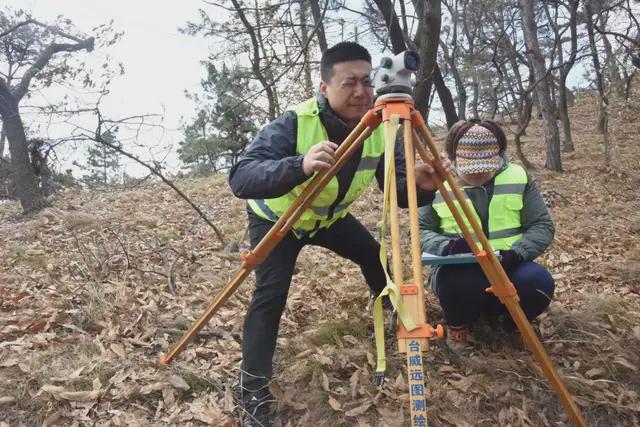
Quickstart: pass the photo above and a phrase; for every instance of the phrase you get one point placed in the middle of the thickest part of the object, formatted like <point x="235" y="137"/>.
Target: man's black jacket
<point x="272" y="167"/>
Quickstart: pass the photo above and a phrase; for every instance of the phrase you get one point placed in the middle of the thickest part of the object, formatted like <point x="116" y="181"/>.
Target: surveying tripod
<point x="393" y="82"/>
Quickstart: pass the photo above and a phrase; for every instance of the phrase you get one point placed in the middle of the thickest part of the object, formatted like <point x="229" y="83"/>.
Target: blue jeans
<point x="461" y="290"/>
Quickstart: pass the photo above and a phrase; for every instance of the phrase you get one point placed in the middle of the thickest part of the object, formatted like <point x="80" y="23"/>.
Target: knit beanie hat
<point x="478" y="151"/>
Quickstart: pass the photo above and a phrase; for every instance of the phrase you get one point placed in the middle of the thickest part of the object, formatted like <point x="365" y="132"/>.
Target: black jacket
<point x="271" y="166"/>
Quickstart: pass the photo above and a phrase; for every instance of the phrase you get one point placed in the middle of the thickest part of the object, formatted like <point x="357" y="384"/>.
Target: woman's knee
<point x="534" y="277"/>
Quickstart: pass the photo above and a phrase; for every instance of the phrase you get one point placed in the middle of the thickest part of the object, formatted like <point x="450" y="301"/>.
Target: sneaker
<point x="258" y="409"/>
<point x="457" y="338"/>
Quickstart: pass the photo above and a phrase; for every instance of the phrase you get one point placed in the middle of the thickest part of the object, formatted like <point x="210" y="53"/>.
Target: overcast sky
<point x="160" y="63"/>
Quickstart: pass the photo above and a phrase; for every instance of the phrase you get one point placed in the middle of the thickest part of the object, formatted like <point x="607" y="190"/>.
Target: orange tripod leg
<point x="279" y="230"/>
<point x="500" y="284"/>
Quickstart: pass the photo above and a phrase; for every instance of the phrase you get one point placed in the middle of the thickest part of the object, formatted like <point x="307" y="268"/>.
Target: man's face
<point x="349" y="92"/>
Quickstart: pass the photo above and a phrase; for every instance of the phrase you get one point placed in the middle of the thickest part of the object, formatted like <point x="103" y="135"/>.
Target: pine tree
<point x="103" y="164"/>
<point x="225" y="122"/>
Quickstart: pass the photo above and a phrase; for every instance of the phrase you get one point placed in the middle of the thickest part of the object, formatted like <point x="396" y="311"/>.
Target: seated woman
<point x="514" y="218"/>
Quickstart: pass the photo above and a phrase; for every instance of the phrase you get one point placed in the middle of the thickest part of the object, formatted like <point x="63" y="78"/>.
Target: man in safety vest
<point x="514" y="218"/>
<point x="276" y="168"/>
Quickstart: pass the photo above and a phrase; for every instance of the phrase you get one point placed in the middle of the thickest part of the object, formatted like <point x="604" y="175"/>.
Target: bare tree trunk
<point x="3" y="138"/>
<point x="25" y="178"/>
<point x="563" y="111"/>
<point x="565" y="68"/>
<point x="393" y="25"/>
<point x="603" y="119"/>
<point x="446" y="99"/>
<point x="628" y="84"/>
<point x="308" y="82"/>
<point x="429" y="37"/>
<point x="612" y="63"/>
<point x="476" y="98"/>
<point x="40" y="163"/>
<point x="451" y="59"/>
<point x="317" y="20"/>
<point x="256" y="58"/>
<point x="552" y="135"/>
<point x="470" y="33"/>
<point x="523" y="122"/>
<point x="26" y="181"/>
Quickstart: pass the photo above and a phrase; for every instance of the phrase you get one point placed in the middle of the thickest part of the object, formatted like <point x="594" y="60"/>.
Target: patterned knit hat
<point x="478" y="151"/>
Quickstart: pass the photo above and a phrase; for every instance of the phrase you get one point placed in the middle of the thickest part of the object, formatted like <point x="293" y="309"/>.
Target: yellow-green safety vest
<point x="505" y="226"/>
<point x="320" y="214"/>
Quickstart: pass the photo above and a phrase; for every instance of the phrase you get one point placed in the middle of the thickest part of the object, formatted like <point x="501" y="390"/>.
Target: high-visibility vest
<point x="321" y="214"/>
<point x="505" y="226"/>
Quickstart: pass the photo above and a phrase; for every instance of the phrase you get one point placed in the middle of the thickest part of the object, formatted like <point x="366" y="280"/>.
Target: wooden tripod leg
<point x="411" y="346"/>
<point x="416" y="258"/>
<point x="278" y="231"/>
<point x="496" y="275"/>
<point x="414" y="303"/>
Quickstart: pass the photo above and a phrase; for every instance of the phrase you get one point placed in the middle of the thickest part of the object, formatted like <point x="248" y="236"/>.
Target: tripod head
<point x="395" y="74"/>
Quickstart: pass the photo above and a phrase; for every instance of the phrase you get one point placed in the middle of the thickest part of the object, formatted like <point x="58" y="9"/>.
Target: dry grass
<point x="86" y="296"/>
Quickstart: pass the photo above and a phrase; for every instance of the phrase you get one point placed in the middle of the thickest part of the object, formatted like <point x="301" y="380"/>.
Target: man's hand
<point x="319" y="157"/>
<point x="424" y="175"/>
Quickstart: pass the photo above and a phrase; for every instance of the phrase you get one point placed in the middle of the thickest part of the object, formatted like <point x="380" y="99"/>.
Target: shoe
<point x="457" y="338"/>
<point x="258" y="409"/>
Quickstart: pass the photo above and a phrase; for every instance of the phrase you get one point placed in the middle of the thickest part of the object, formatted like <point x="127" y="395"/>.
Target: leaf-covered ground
<point x="95" y="288"/>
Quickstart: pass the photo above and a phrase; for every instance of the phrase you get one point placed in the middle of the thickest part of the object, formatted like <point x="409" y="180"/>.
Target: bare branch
<point x="155" y="170"/>
<point x="635" y="42"/>
<point x="20" y="91"/>
<point x="15" y="27"/>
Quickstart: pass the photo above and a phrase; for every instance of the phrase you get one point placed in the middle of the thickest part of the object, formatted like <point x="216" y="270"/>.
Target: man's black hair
<point x="341" y="52"/>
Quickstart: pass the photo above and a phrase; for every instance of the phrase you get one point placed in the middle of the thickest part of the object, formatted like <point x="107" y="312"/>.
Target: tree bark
<point x="451" y="59"/>
<point x="523" y="121"/>
<point x="317" y="20"/>
<point x="446" y="99"/>
<point x="393" y="25"/>
<point x="565" y="69"/>
<point x="3" y="138"/>
<point x="427" y="41"/>
<point x="26" y="182"/>
<point x="256" y="59"/>
<point x="612" y="64"/>
<point x="563" y="112"/>
<point x="552" y="135"/>
<point x="603" y="101"/>
<point x="306" y="66"/>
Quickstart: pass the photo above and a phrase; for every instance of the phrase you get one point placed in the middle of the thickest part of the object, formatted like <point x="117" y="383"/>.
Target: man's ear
<point x="323" y="88"/>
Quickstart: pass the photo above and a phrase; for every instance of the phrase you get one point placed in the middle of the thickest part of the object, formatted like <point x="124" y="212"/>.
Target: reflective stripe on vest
<point x="320" y="214"/>
<point x="505" y="226"/>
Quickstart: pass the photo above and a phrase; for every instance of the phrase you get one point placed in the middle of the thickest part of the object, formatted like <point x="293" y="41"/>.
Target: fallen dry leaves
<point x="97" y="287"/>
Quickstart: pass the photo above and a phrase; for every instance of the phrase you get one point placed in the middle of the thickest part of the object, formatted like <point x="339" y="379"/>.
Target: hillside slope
<point x="96" y="287"/>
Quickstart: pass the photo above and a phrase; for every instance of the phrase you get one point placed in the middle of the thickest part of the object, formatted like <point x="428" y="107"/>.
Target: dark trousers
<point x="346" y="237"/>
<point x="461" y="290"/>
